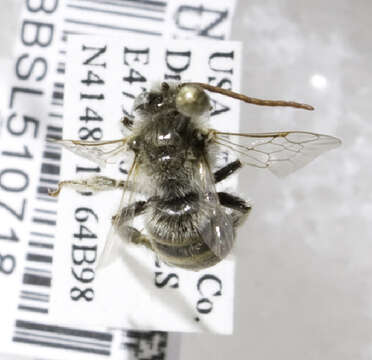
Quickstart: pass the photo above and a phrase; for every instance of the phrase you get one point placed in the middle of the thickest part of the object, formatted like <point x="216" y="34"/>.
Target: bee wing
<point x="113" y="241"/>
<point x="218" y="230"/>
<point x="97" y="151"/>
<point x="281" y="152"/>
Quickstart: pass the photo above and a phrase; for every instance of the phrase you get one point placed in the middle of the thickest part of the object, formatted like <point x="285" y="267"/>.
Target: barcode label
<point x="27" y="236"/>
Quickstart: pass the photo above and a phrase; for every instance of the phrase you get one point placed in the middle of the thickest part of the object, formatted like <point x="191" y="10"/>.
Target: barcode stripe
<point x="41" y="335"/>
<point x="31" y="279"/>
<point x="64" y="330"/>
<point x="60" y="346"/>
<point x="54" y="137"/>
<point x="112" y="27"/>
<point x="129" y="6"/>
<point x="67" y="32"/>
<point x="47" y="199"/>
<point x="49" y="181"/>
<point x="39" y="258"/>
<point x="51" y="155"/>
<point x="49" y="146"/>
<point x="61" y="67"/>
<point x="119" y="13"/>
<point x="33" y="309"/>
<point x="37" y="270"/>
<point x="44" y="221"/>
<point x="54" y="128"/>
<point x="57" y="104"/>
<point x="147" y="2"/>
<point x="40" y="245"/>
<point x="57" y="95"/>
<point x="55" y="115"/>
<point x="50" y="236"/>
<point x="34" y="293"/>
<point x="32" y="298"/>
<point x="43" y="190"/>
<point x="48" y="168"/>
<point x="44" y="211"/>
<point x="144" y="2"/>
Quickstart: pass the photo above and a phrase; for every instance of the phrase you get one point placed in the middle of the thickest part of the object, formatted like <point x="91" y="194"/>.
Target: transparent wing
<point x="114" y="240"/>
<point x="218" y="230"/>
<point x="281" y="152"/>
<point x="97" y="151"/>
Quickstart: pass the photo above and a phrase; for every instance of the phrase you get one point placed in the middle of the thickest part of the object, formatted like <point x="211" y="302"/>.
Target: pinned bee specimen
<point x="188" y="223"/>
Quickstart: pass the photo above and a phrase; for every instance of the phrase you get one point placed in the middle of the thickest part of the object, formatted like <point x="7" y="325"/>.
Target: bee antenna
<point x="250" y="100"/>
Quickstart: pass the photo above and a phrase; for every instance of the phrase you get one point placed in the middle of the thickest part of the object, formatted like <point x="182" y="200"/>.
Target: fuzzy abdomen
<point x="175" y="227"/>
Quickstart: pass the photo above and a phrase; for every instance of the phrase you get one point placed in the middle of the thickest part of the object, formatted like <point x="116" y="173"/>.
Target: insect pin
<point x="189" y="224"/>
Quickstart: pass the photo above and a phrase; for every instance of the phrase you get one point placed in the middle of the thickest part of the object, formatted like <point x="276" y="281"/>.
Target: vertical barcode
<point x="80" y="18"/>
<point x="37" y="274"/>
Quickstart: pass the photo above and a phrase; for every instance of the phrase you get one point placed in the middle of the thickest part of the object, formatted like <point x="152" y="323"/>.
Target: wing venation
<point x="281" y="152"/>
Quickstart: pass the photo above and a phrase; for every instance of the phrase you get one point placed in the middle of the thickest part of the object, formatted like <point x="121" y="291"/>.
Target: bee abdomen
<point x="193" y="256"/>
<point x="176" y="227"/>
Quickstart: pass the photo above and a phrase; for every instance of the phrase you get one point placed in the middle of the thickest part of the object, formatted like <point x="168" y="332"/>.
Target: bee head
<point x="191" y="100"/>
<point x="188" y="99"/>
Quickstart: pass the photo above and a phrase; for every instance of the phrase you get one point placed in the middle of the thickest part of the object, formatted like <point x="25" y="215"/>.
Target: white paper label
<point x="135" y="292"/>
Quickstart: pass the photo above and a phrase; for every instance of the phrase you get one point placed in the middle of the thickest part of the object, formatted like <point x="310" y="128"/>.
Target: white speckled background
<point x="304" y="274"/>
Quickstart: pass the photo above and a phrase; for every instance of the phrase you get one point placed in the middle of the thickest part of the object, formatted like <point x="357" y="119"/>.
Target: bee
<point x="189" y="224"/>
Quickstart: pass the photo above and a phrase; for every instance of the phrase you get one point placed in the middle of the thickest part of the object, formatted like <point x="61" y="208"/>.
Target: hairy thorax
<point x="169" y="146"/>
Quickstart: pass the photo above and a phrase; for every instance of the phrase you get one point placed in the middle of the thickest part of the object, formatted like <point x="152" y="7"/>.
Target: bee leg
<point x="135" y="236"/>
<point x="226" y="171"/>
<point x="128" y="212"/>
<point x="93" y="183"/>
<point x="129" y="232"/>
<point x="239" y="206"/>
